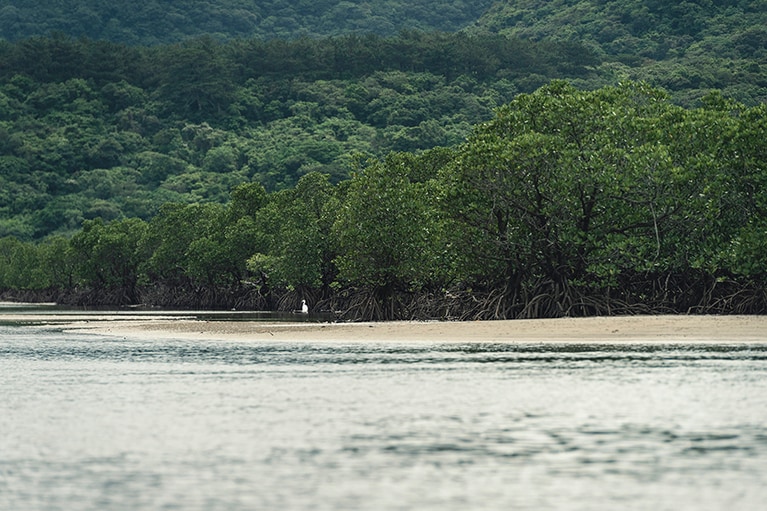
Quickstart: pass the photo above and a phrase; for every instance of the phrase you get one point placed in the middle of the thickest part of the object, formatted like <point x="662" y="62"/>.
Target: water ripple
<point x="91" y="423"/>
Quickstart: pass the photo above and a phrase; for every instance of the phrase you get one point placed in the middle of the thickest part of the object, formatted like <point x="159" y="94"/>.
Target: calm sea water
<point x="98" y="423"/>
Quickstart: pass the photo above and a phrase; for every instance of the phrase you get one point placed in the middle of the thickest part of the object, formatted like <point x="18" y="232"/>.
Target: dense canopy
<point x="149" y="22"/>
<point x="567" y="202"/>
<point x="386" y="159"/>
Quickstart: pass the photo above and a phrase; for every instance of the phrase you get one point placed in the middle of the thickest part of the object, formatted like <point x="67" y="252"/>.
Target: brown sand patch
<point x="667" y="329"/>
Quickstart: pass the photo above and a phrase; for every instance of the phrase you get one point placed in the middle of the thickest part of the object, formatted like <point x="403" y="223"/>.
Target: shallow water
<point x="98" y="423"/>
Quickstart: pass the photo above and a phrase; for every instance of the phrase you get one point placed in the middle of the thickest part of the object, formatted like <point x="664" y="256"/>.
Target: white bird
<point x="304" y="307"/>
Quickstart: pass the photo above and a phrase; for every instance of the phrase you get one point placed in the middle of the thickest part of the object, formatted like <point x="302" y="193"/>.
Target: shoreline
<point x="666" y="329"/>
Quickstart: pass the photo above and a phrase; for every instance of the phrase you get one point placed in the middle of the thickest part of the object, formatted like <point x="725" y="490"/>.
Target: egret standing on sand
<point x="304" y="307"/>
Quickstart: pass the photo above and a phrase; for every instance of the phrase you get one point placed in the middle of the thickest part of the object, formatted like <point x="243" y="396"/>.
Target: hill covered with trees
<point x="96" y="129"/>
<point x="150" y="22"/>
<point x="685" y="47"/>
<point x="223" y="154"/>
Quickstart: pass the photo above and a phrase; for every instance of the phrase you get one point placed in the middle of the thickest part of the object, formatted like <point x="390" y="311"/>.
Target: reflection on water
<point x="95" y="423"/>
<point x="55" y="312"/>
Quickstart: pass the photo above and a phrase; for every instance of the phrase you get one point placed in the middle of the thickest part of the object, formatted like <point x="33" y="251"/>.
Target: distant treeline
<point x="59" y="58"/>
<point x="151" y="22"/>
<point x="567" y="202"/>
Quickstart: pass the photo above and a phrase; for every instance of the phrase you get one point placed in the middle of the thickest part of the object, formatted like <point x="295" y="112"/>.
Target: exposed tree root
<point x="634" y="295"/>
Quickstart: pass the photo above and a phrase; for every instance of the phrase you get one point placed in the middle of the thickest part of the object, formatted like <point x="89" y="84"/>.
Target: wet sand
<point x="666" y="329"/>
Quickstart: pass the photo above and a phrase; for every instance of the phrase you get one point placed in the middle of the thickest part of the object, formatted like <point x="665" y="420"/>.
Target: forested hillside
<point x="96" y="129"/>
<point x="149" y="22"/>
<point x="226" y="154"/>
<point x="685" y="47"/>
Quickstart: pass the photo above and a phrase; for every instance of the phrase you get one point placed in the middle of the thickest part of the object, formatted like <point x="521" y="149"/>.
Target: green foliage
<point x="687" y="48"/>
<point x="388" y="228"/>
<point x="205" y="245"/>
<point x="318" y="146"/>
<point x="96" y="128"/>
<point x="300" y="251"/>
<point x="154" y="21"/>
<point x="108" y="255"/>
<point x="567" y="189"/>
<point x="85" y="123"/>
<point x="171" y="234"/>
<point x="21" y="265"/>
<point x="567" y="202"/>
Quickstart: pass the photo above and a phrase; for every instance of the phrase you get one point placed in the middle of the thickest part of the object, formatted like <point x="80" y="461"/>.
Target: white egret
<point x="304" y="307"/>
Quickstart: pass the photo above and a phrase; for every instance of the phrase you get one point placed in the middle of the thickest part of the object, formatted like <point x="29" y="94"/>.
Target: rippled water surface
<point x="97" y="423"/>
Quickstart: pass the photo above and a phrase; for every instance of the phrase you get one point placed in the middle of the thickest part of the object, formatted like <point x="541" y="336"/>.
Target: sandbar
<point x="671" y="329"/>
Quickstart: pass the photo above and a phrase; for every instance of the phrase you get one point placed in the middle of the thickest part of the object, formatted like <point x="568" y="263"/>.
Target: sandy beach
<point x="666" y="329"/>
